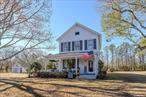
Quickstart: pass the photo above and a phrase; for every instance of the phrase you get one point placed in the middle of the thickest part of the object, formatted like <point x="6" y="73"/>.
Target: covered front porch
<point x="87" y="68"/>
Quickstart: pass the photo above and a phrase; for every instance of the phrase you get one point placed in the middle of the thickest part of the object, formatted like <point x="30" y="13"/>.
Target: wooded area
<point x="123" y="57"/>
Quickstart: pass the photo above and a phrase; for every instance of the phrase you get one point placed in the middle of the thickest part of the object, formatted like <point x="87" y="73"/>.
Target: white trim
<point x="64" y="55"/>
<point x="78" y="51"/>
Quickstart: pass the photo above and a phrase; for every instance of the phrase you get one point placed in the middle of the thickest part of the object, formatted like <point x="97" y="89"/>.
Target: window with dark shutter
<point x="65" y="46"/>
<point x="85" y="44"/>
<point x="77" y="45"/>
<point x="73" y="46"/>
<point x="94" y="43"/>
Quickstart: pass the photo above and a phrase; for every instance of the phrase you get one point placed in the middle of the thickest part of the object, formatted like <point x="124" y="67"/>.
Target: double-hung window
<point x="65" y="46"/>
<point x="77" y="45"/>
<point x="90" y="44"/>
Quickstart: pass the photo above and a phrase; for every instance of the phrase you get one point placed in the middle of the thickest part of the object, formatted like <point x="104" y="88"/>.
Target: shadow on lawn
<point x="110" y="92"/>
<point x="127" y="77"/>
<point x="118" y="91"/>
<point x="15" y="83"/>
<point x="22" y="87"/>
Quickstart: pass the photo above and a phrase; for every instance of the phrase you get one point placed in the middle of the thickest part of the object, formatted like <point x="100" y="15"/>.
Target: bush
<point x="102" y="74"/>
<point x="35" y="67"/>
<point x="50" y="66"/>
<point x="101" y="65"/>
<point x="52" y="74"/>
<point x="102" y="71"/>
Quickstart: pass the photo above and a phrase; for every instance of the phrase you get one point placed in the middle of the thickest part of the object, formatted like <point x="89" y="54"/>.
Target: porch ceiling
<point x="65" y="55"/>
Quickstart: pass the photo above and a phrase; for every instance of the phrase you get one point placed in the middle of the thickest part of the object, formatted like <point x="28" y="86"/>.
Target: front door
<point x="90" y="66"/>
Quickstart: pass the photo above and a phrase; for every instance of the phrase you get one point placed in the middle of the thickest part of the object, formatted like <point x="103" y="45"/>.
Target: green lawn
<point x="117" y="84"/>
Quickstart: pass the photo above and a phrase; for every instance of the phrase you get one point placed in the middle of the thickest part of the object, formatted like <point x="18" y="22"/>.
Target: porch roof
<point x="65" y="55"/>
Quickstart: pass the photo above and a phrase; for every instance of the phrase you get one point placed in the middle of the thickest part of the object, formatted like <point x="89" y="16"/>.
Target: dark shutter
<point x="94" y="43"/>
<point x="81" y="46"/>
<point x="78" y="63"/>
<point x="73" y="63"/>
<point x="85" y="44"/>
<point x="73" y="46"/>
<point x="61" y="47"/>
<point x="68" y="46"/>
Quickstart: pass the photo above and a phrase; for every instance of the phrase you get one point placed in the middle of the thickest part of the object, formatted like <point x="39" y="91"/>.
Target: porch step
<point x="87" y="76"/>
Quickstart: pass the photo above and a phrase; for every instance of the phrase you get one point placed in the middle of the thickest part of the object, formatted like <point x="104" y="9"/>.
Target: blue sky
<point x="67" y="12"/>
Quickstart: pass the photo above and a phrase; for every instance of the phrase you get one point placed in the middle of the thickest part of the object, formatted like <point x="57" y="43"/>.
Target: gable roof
<point x="79" y="25"/>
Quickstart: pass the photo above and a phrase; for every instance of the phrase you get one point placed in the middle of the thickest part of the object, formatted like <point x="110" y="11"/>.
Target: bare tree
<point x="25" y="24"/>
<point x="5" y="65"/>
<point x="27" y="57"/>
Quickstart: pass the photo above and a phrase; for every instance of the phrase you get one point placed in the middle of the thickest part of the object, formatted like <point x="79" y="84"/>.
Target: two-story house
<point x="79" y="47"/>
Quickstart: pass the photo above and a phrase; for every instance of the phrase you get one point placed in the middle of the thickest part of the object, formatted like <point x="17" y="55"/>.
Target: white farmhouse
<point x="80" y="45"/>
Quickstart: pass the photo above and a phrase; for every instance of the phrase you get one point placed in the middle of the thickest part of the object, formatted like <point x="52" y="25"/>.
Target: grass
<point x="117" y="84"/>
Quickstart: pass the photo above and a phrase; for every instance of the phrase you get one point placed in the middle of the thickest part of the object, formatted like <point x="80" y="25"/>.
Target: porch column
<point x="60" y="65"/>
<point x="76" y="65"/>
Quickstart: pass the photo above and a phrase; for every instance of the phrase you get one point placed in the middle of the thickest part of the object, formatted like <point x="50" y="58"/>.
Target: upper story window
<point x="90" y="44"/>
<point x="65" y="46"/>
<point x="77" y="33"/>
<point x="77" y="45"/>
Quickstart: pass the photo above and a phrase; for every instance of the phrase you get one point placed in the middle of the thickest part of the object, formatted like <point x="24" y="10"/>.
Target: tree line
<point x="123" y="57"/>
